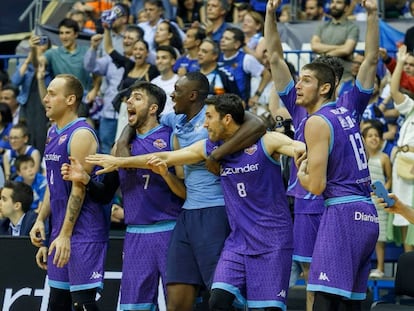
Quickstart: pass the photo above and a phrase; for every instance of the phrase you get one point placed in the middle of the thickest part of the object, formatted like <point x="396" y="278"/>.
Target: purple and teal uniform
<point x="151" y="210"/>
<point x="340" y="266"/>
<point x="308" y="207"/>
<point x="85" y="269"/>
<point x="257" y="256"/>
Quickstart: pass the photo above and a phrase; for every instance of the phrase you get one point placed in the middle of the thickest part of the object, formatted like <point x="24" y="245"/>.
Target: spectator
<point x="32" y="110"/>
<point x="221" y="81"/>
<point x="68" y="57"/>
<point x="379" y="165"/>
<point x="252" y="27"/>
<point x="243" y="66"/>
<point x="241" y="9"/>
<point x="337" y="37"/>
<point x="165" y="61"/>
<point x="189" y="62"/>
<point x="25" y="168"/>
<point x="111" y="79"/>
<point x="314" y="10"/>
<point x="15" y="201"/>
<point x="6" y="123"/>
<point x="167" y="34"/>
<point x="135" y="69"/>
<point x="402" y="186"/>
<point x="19" y="138"/>
<point x="81" y="18"/>
<point x="346" y="85"/>
<point x="188" y="11"/>
<point x="215" y="20"/>
<point x="9" y="95"/>
<point x="407" y="76"/>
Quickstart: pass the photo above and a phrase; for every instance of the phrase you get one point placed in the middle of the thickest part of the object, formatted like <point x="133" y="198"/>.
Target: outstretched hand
<point x="74" y="171"/>
<point x="108" y="162"/>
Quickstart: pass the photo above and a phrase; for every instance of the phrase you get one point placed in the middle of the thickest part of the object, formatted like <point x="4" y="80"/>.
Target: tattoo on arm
<point x="74" y="206"/>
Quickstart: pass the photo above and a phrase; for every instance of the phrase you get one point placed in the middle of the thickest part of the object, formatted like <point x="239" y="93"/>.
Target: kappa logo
<point x="282" y="293"/>
<point x="252" y="149"/>
<point x="96" y="275"/>
<point x="323" y="277"/>
<point x="159" y="143"/>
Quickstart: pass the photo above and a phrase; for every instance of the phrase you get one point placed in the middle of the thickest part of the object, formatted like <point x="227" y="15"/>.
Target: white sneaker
<point x="375" y="273"/>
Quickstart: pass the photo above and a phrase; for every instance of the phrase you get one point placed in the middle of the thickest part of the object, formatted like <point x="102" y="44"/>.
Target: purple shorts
<point x="257" y="281"/>
<point x="145" y="262"/>
<point x="305" y="228"/>
<point x="342" y="255"/>
<point x="85" y="269"/>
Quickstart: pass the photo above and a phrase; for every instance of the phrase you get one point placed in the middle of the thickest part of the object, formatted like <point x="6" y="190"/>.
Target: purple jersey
<point x="347" y="171"/>
<point x="92" y="223"/>
<point x="255" y="200"/>
<point x="146" y="196"/>
<point x="356" y="100"/>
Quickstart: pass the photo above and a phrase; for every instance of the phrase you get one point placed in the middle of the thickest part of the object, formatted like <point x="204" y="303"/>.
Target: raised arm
<point x="280" y="71"/>
<point x="367" y="71"/>
<point x="107" y="41"/>
<point x="396" y="95"/>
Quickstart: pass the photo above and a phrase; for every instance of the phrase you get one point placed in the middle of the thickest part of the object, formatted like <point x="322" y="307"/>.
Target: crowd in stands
<point x="159" y="41"/>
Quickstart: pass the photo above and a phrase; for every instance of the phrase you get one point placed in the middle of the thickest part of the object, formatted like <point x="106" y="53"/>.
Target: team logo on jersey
<point x="159" y="143"/>
<point x="62" y="139"/>
<point x="251" y="149"/>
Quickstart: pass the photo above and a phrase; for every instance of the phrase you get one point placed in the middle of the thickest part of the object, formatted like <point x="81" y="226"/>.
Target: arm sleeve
<point x="103" y="191"/>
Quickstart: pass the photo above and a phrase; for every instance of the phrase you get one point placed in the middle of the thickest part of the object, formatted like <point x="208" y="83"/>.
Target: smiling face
<point x="164" y="61"/>
<point x="67" y="37"/>
<point x="140" y="52"/>
<point x="17" y="139"/>
<point x="181" y="95"/>
<point x="372" y="138"/>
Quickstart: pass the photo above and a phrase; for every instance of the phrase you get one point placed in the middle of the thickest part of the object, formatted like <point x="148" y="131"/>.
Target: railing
<point x="5" y="59"/>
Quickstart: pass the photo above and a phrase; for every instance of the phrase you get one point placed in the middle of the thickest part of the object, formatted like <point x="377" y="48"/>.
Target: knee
<point x="221" y="300"/>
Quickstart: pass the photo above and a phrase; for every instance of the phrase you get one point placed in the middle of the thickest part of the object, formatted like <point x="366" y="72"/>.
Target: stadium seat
<point x="404" y="286"/>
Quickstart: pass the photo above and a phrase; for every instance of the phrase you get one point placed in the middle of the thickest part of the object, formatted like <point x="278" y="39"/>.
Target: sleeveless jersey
<point x="147" y="199"/>
<point x="92" y="224"/>
<point x="347" y="171"/>
<point x="356" y="100"/>
<point x="255" y="198"/>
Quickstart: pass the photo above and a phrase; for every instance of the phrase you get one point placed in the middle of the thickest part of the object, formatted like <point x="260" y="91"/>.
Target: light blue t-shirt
<point x="203" y="188"/>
